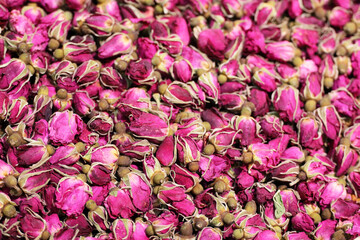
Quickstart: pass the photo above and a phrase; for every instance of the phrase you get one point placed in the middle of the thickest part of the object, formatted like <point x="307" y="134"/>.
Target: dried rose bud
<point x="64" y="126"/>
<point x="79" y="49"/>
<point x="115" y="45"/>
<point x="310" y="134"/>
<point x="345" y="157"/>
<point x="83" y="104"/>
<point x="212" y="43"/>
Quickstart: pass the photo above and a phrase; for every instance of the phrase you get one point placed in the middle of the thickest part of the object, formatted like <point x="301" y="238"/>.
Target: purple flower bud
<point x="59" y="30"/>
<point x="20" y="23"/>
<point x="99" y="219"/>
<point x="209" y="83"/>
<point x="286" y="171"/>
<point x="83" y="104"/>
<point x="166" y="152"/>
<point x="187" y="149"/>
<point x="293" y="154"/>
<point x="110" y="7"/>
<point x="332" y="192"/>
<point x="264" y="13"/>
<point x="182" y="70"/>
<point x="213" y="166"/>
<point x="32" y="225"/>
<point x="339" y="16"/>
<point x="223" y="138"/>
<point x="310" y="134"/>
<point x="101" y="123"/>
<point x="31" y="153"/>
<point x="254" y="42"/>
<point x="66" y="155"/>
<point x="123" y="229"/>
<point x="313" y="88"/>
<point x="109" y="77"/>
<point x="244" y="180"/>
<point x="248" y="129"/>
<point x="115" y="45"/>
<point x="67" y="191"/>
<point x="80" y="223"/>
<point x="64" y="126"/>
<point x="14" y="73"/>
<point x="283" y="51"/>
<point x="302" y="222"/>
<point x="265" y="80"/>
<point x="354" y="179"/>
<point x="212" y="42"/>
<point x="344" y="102"/>
<point x="261" y="101"/>
<point x="345" y="157"/>
<point x="87" y="73"/>
<point x="32" y="180"/>
<point x="184" y="177"/>
<point x="118" y="204"/>
<point x="232" y="101"/>
<point x="197" y="59"/>
<point x="286" y="100"/>
<point x="79" y="49"/>
<point x="99" y="174"/>
<point x="146" y="49"/>
<point x="330" y="119"/>
<point x="99" y="24"/>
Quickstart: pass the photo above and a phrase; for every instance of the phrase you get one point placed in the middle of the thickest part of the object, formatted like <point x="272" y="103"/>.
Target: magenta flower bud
<point x="286" y="101"/>
<point x="344" y="209"/>
<point x="197" y="59"/>
<point x="345" y="157"/>
<point x="212" y="43"/>
<point x="87" y="73"/>
<point x="140" y="190"/>
<point x="310" y="134"/>
<point x="80" y="223"/>
<point x="184" y="177"/>
<point x="6" y="170"/>
<point x="79" y="18"/>
<point x="175" y="197"/>
<point x="99" y="24"/>
<point x="179" y="93"/>
<point x="215" y="118"/>
<point x="271" y="126"/>
<point x="101" y="123"/>
<point x="115" y="45"/>
<point x="305" y="37"/>
<point x="135" y="149"/>
<point x="344" y="102"/>
<point x="32" y="225"/>
<point x="290" y="199"/>
<point x="109" y="77"/>
<point x="296" y="236"/>
<point x="83" y="104"/>
<point x="325" y="229"/>
<point x="331" y="122"/>
<point x="210" y="85"/>
<point x="64" y="126"/>
<point x="136" y="97"/>
<point x="213" y="166"/>
<point x="294" y="9"/>
<point x="107" y="154"/>
<point x="53" y="224"/>
<point x="266" y="234"/>
<point x="59" y="30"/>
<point x="223" y="139"/>
<point x="264" y="13"/>
<point x="66" y="155"/>
<point x="230" y="7"/>
<point x="293" y="154"/>
<point x="182" y="70"/>
<point x="352" y="133"/>
<point x="118" y="204"/>
<point x="255" y="41"/>
<point x="332" y="192"/>
<point x="244" y="180"/>
<point x="68" y="189"/>
<point x="99" y="174"/>
<point x="20" y="23"/>
<point x="261" y="101"/>
<point x="50" y="5"/>
<point x="79" y="49"/>
<point x="286" y="171"/>
<point x="263" y="156"/>
<point x="15" y="73"/>
<point x="31" y="153"/>
<point x="77" y="4"/>
<point x="264" y="192"/>
<point x="313" y="88"/>
<point x="232" y="101"/>
<point x="339" y="16"/>
<point x="302" y="222"/>
<point x="191" y="127"/>
<point x="18" y="111"/>
<point x="4" y="15"/>
<point x="99" y="219"/>
<point x="123" y="229"/>
<point x="163" y="223"/>
<point x="178" y="25"/>
<point x="327" y="42"/>
<point x="166" y="152"/>
<point x="283" y="51"/>
<point x="109" y="7"/>
<point x="209" y="233"/>
<point x="265" y="80"/>
<point x="248" y="129"/>
<point x="34" y="13"/>
<point x="187" y="149"/>
<point x="146" y="49"/>
<point x="171" y="44"/>
<point x="354" y="180"/>
<point x="141" y="72"/>
<point x="32" y="180"/>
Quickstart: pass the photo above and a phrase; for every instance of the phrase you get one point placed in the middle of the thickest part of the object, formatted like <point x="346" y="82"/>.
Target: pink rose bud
<point x="64" y="126"/>
<point x="87" y="73"/>
<point x="32" y="180"/>
<point x="99" y="174"/>
<point x="230" y="7"/>
<point x="119" y="204"/>
<point x="163" y="223"/>
<point x="50" y="5"/>
<point x="110" y="78"/>
<point x="210" y="85"/>
<point x="293" y="154"/>
<point x="140" y="190"/>
<point x="330" y="119"/>
<point x="294" y="9"/>
<point x="34" y="13"/>
<point x="264" y="192"/>
<point x="146" y="49"/>
<point x="53" y="224"/>
<point x="287" y="102"/>
<point x="107" y="154"/>
<point x="166" y="152"/>
<point x="187" y="149"/>
<point x="59" y="30"/>
<point x="313" y="88"/>
<point x="197" y="59"/>
<point x="306" y="37"/>
<point x="99" y="219"/>
<point x="213" y="166"/>
<point x="178" y="25"/>
<point x="254" y="42"/>
<point x="31" y="153"/>
<point x="223" y="138"/>
<point x="20" y="23"/>
<point x="77" y="4"/>
<point x="79" y="49"/>
<point x="141" y="72"/>
<point x="136" y="149"/>
<point x="32" y="225"/>
<point x="344" y="102"/>
<point x="290" y="201"/>
<point x="248" y="129"/>
<point x="263" y="156"/>
<point x="83" y="104"/>
<point x="98" y="24"/>
<point x="212" y="42"/>
<point x="110" y="7"/>
<point x="244" y="180"/>
<point x="266" y="234"/>
<point x="6" y="170"/>
<point x="184" y="177"/>
<point x="15" y="73"/>
<point x="19" y="110"/>
<point x="339" y="16"/>
<point x="264" y="13"/>
<point x="283" y="51"/>
<point x="310" y="133"/>
<point x="265" y="80"/>
<point x="332" y="192"/>
<point x="182" y="70"/>
<point x="101" y="123"/>
<point x="66" y="155"/>
<point x="286" y="171"/>
<point x="325" y="229"/>
<point x="261" y="101"/>
<point x="232" y="101"/>
<point x="327" y="42"/>
<point x="344" y="209"/>
<point x="171" y="44"/>
<point x="115" y="45"/>
<point x="139" y="230"/>
<point x="345" y="157"/>
<point x="191" y="127"/>
<point x="68" y="189"/>
<point x="302" y="222"/>
<point x="123" y="229"/>
<point x="209" y="233"/>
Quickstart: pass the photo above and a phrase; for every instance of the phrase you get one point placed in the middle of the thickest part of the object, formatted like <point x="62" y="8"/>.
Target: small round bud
<point x="294" y="81"/>
<point x="228" y="218"/>
<point x="16" y="192"/>
<point x="222" y="78"/>
<point x="123" y="161"/>
<point x="328" y="82"/>
<point x="320" y="13"/>
<point x="282" y="187"/>
<point x="85" y="168"/>
<point x="80" y="147"/>
<point x="50" y="149"/>
<point x="245" y="111"/>
<point x="229" y="25"/>
<point x="156" y="190"/>
<point x="310" y="105"/>
<point x="350" y="28"/>
<point x="199" y="223"/>
<point x="302" y="176"/>
<point x="162" y="88"/>
<point x="82" y="177"/>
<point x="53" y="44"/>
<point x="123" y="171"/>
<point x="220" y="186"/>
<point x="150" y="231"/>
<point x="338" y="235"/>
<point x="103" y="105"/>
<point x="207" y="126"/>
<point x="247" y="157"/>
<point x="326" y="214"/>
<point x="158" y="178"/>
<point x="255" y="69"/>
<point x="15" y="139"/>
<point x="238" y="234"/>
<point x="31" y="69"/>
<point x="158" y="9"/>
<point x="9" y="211"/>
<point x="345" y="141"/>
<point x="200" y="72"/>
<point x="157" y="75"/>
<point x="186" y="229"/>
<point x="120" y="127"/>
<point x="10" y="181"/>
<point x="250" y="207"/>
<point x="297" y="61"/>
<point x="341" y="51"/>
<point x="209" y="149"/>
<point x="68" y="15"/>
<point x="325" y="101"/>
<point x="343" y="65"/>
<point x="156" y="60"/>
<point x="25" y="57"/>
<point x="120" y="65"/>
<point x="197" y="189"/>
<point x="61" y="93"/>
<point x="91" y="205"/>
<point x="45" y="235"/>
<point x="232" y="203"/>
<point x="316" y="217"/>
<point x="134" y="56"/>
<point x="23" y="47"/>
<point x="298" y="52"/>
<point x="58" y="53"/>
<point x="193" y="166"/>
<point x="180" y="116"/>
<point x="43" y="90"/>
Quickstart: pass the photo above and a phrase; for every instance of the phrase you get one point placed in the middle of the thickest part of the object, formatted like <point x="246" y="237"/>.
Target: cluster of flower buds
<point x="184" y="120"/>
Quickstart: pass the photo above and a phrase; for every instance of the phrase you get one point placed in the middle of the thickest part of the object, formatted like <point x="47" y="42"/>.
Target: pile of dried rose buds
<point x="180" y="119"/>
